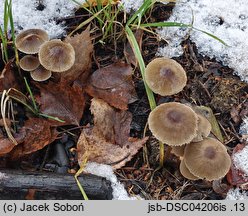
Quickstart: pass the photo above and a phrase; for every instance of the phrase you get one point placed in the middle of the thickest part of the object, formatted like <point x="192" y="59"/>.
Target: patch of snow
<point x="236" y="194"/>
<point x="119" y="192"/>
<point x="240" y="160"/>
<point x="131" y="5"/>
<point x="244" y="128"/>
<point x="225" y="19"/>
<point x="26" y="15"/>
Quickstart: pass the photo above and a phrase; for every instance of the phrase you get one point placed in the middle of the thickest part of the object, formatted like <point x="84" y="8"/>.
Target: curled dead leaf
<point x="113" y="84"/>
<point x="38" y="133"/>
<point x="83" y="48"/>
<point x="63" y="101"/>
<point x="108" y="142"/>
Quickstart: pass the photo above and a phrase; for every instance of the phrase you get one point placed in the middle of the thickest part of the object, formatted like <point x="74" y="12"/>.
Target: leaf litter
<point x="108" y="141"/>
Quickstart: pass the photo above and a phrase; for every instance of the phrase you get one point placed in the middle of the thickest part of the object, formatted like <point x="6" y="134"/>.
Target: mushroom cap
<point x="57" y="56"/>
<point x="29" y="41"/>
<point x="173" y="123"/>
<point x="178" y="150"/>
<point x="204" y="128"/>
<point x="185" y="171"/>
<point x="165" y="76"/>
<point x="207" y="159"/>
<point x="40" y="74"/>
<point x="29" y="63"/>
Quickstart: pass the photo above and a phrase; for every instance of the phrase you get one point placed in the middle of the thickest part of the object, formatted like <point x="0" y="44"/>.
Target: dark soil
<point x="209" y="83"/>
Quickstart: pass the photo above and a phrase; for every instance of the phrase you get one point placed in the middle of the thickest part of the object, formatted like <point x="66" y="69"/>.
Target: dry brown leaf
<point x="113" y="84"/>
<point x="62" y="101"/>
<point x="113" y="125"/>
<point x="83" y="51"/>
<point x="108" y="142"/>
<point x="38" y="134"/>
<point x="8" y="79"/>
<point x="6" y="145"/>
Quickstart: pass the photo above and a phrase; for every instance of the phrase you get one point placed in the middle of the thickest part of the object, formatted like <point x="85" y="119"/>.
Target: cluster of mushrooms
<point x="44" y="56"/>
<point x="182" y="128"/>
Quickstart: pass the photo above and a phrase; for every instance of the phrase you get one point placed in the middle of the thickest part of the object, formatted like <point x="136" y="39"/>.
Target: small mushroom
<point x="178" y="150"/>
<point x="173" y="123"/>
<point x="204" y="129"/>
<point x="29" y="63"/>
<point x="207" y="159"/>
<point x="165" y="76"/>
<point x="40" y="74"/>
<point x="29" y="41"/>
<point x="57" y="56"/>
<point x="185" y="171"/>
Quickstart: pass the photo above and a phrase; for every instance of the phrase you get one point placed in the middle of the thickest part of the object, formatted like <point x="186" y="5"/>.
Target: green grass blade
<point x="211" y="35"/>
<point x="31" y="95"/>
<point x="13" y="31"/>
<point x="4" y="46"/>
<point x="51" y="117"/>
<point x="138" y="55"/>
<point x="176" y="24"/>
<point x="140" y="12"/>
<point x="5" y="18"/>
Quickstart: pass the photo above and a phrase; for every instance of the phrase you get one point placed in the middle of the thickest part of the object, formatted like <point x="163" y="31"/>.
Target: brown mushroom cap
<point x="29" y="41"/>
<point x="204" y="128"/>
<point x="165" y="76"/>
<point x="173" y="123"/>
<point x="57" y="56"/>
<point x="178" y="150"/>
<point x="41" y="74"/>
<point x="207" y="159"/>
<point x="29" y="63"/>
<point x="185" y="171"/>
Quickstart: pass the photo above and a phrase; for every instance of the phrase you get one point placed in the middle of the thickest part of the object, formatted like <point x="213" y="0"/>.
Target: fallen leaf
<point x="108" y="142"/>
<point x="113" y="84"/>
<point x="6" y="145"/>
<point x="8" y="78"/>
<point x="128" y="51"/>
<point x="38" y="133"/>
<point x="63" y="101"/>
<point x="83" y="51"/>
<point x="113" y="125"/>
<point x="235" y="176"/>
<point x="101" y="151"/>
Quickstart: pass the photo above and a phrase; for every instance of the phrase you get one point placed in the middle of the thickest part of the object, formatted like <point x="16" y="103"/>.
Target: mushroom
<point x="185" y="171"/>
<point x="29" y="63"/>
<point x="173" y="123"/>
<point x="165" y="76"/>
<point x="207" y="159"/>
<point x="29" y="41"/>
<point x="204" y="129"/>
<point x="57" y="56"/>
<point x="40" y="74"/>
<point x="178" y="150"/>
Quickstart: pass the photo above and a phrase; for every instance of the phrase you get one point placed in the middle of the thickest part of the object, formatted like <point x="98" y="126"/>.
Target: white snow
<point x="237" y="194"/>
<point x="26" y="16"/>
<point x="244" y="129"/>
<point x="119" y="192"/>
<point x="240" y="160"/>
<point x="226" y="19"/>
<point x="132" y="5"/>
